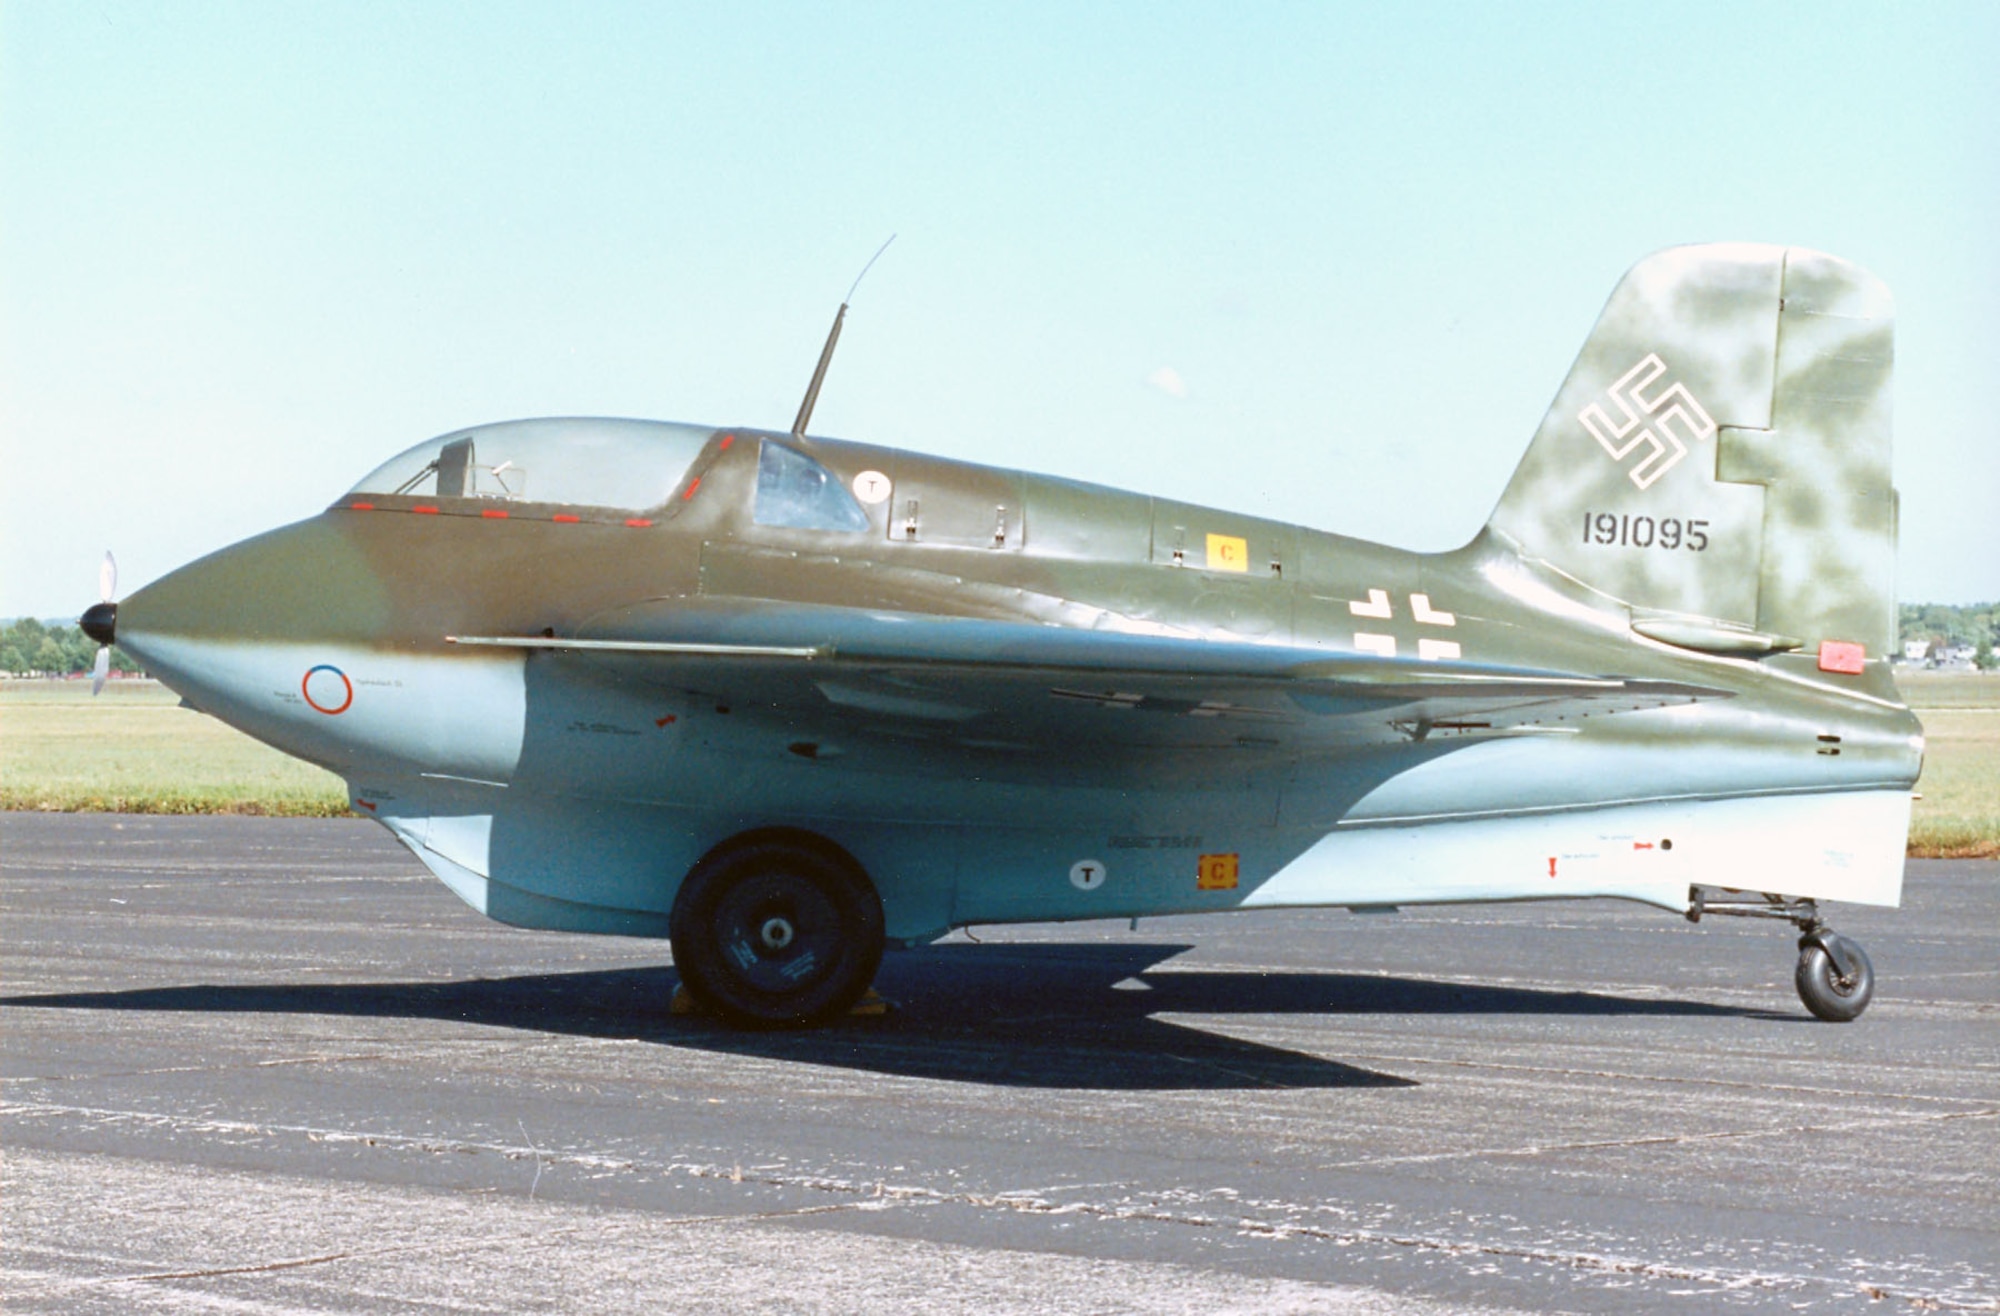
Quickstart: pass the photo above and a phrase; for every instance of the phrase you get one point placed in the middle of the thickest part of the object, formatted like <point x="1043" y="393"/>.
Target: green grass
<point x="1957" y="814"/>
<point x="133" y="750"/>
<point x="1925" y="689"/>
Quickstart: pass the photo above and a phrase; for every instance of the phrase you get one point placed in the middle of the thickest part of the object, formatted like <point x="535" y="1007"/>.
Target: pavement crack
<point x="279" y="1062"/>
<point x="542" y="1238"/>
<point x="1028" y="1202"/>
<point x="1667" y="1139"/>
<point x="267" y="1267"/>
<point x="1378" y="1060"/>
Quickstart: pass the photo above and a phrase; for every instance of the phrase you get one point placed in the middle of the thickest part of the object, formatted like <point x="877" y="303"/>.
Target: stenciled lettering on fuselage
<point x="1648" y="421"/>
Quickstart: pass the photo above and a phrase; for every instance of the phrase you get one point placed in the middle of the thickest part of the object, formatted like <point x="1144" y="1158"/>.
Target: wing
<point x="838" y="678"/>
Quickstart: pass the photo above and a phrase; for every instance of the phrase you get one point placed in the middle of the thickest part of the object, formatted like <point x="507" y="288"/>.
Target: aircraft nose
<point x="100" y="622"/>
<point x="196" y="627"/>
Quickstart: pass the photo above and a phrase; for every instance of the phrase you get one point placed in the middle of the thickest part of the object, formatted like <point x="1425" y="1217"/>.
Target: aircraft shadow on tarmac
<point x="1068" y="1016"/>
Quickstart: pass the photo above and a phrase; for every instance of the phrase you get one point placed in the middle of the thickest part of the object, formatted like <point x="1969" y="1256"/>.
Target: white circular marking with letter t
<point x="871" y="487"/>
<point x="1086" y="875"/>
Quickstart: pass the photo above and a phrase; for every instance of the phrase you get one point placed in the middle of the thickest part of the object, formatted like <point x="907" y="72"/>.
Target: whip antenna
<point x="832" y="337"/>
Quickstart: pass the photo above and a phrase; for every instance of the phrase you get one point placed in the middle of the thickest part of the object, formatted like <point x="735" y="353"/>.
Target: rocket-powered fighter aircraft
<point x="788" y="700"/>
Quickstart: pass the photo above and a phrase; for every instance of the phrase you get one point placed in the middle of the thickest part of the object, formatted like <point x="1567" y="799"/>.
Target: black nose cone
<point x="101" y="622"/>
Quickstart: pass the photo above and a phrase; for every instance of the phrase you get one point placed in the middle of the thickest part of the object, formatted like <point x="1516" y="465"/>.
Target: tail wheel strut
<point x="1834" y="977"/>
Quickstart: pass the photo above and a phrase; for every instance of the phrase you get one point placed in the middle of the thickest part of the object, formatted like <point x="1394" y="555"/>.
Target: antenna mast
<point x="832" y="337"/>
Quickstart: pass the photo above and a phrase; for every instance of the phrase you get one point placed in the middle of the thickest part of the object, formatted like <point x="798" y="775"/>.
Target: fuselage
<point x="333" y="639"/>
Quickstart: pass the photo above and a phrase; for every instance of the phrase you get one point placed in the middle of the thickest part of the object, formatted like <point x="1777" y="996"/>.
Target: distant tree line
<point x="32" y="648"/>
<point x="1976" y="624"/>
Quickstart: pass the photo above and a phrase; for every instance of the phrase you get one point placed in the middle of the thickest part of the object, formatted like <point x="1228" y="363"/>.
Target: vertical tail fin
<point x="1720" y="450"/>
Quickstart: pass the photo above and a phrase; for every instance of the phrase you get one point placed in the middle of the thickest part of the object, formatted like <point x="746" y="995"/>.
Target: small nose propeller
<point x="100" y="622"/>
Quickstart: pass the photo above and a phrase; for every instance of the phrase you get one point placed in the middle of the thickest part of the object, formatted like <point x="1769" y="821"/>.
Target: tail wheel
<point x="777" y="930"/>
<point x="1835" y="996"/>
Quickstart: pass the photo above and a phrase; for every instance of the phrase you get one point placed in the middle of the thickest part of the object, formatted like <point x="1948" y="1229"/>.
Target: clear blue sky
<point x="252" y="250"/>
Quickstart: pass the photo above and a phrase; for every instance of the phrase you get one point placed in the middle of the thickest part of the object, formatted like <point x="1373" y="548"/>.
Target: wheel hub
<point x="779" y="930"/>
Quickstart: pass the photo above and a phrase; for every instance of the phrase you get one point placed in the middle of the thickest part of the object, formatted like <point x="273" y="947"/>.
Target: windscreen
<point x="797" y="492"/>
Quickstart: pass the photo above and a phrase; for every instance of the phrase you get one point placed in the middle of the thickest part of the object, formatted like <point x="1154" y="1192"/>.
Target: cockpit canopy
<point x="582" y="461"/>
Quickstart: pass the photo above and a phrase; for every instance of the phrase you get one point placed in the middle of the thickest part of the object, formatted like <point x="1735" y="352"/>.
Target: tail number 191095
<point x="1667" y="532"/>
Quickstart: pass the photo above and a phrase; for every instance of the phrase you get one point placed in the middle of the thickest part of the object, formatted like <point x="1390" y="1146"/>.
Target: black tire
<point x="1829" y="996"/>
<point x="777" y="930"/>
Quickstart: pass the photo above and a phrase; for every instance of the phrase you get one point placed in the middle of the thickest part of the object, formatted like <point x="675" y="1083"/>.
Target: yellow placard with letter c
<point x="1228" y="553"/>
<point x="1215" y="872"/>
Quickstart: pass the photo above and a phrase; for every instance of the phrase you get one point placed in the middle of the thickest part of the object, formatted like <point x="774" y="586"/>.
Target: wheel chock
<point x="871" y="1005"/>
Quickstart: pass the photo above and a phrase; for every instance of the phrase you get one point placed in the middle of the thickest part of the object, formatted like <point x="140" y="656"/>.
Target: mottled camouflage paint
<point x="1789" y="352"/>
<point x="1829" y="545"/>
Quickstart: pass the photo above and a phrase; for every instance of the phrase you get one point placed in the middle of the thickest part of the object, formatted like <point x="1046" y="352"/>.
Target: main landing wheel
<point x="777" y="930"/>
<point x="1834" y="977"/>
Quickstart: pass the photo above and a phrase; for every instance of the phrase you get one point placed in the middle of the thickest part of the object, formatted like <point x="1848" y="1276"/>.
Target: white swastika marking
<point x="1671" y="404"/>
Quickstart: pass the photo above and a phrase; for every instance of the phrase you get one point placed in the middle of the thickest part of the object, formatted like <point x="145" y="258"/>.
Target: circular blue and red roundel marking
<point x="327" y="689"/>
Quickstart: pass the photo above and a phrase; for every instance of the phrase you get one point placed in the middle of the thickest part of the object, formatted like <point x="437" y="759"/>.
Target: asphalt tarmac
<point x="264" y="1066"/>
